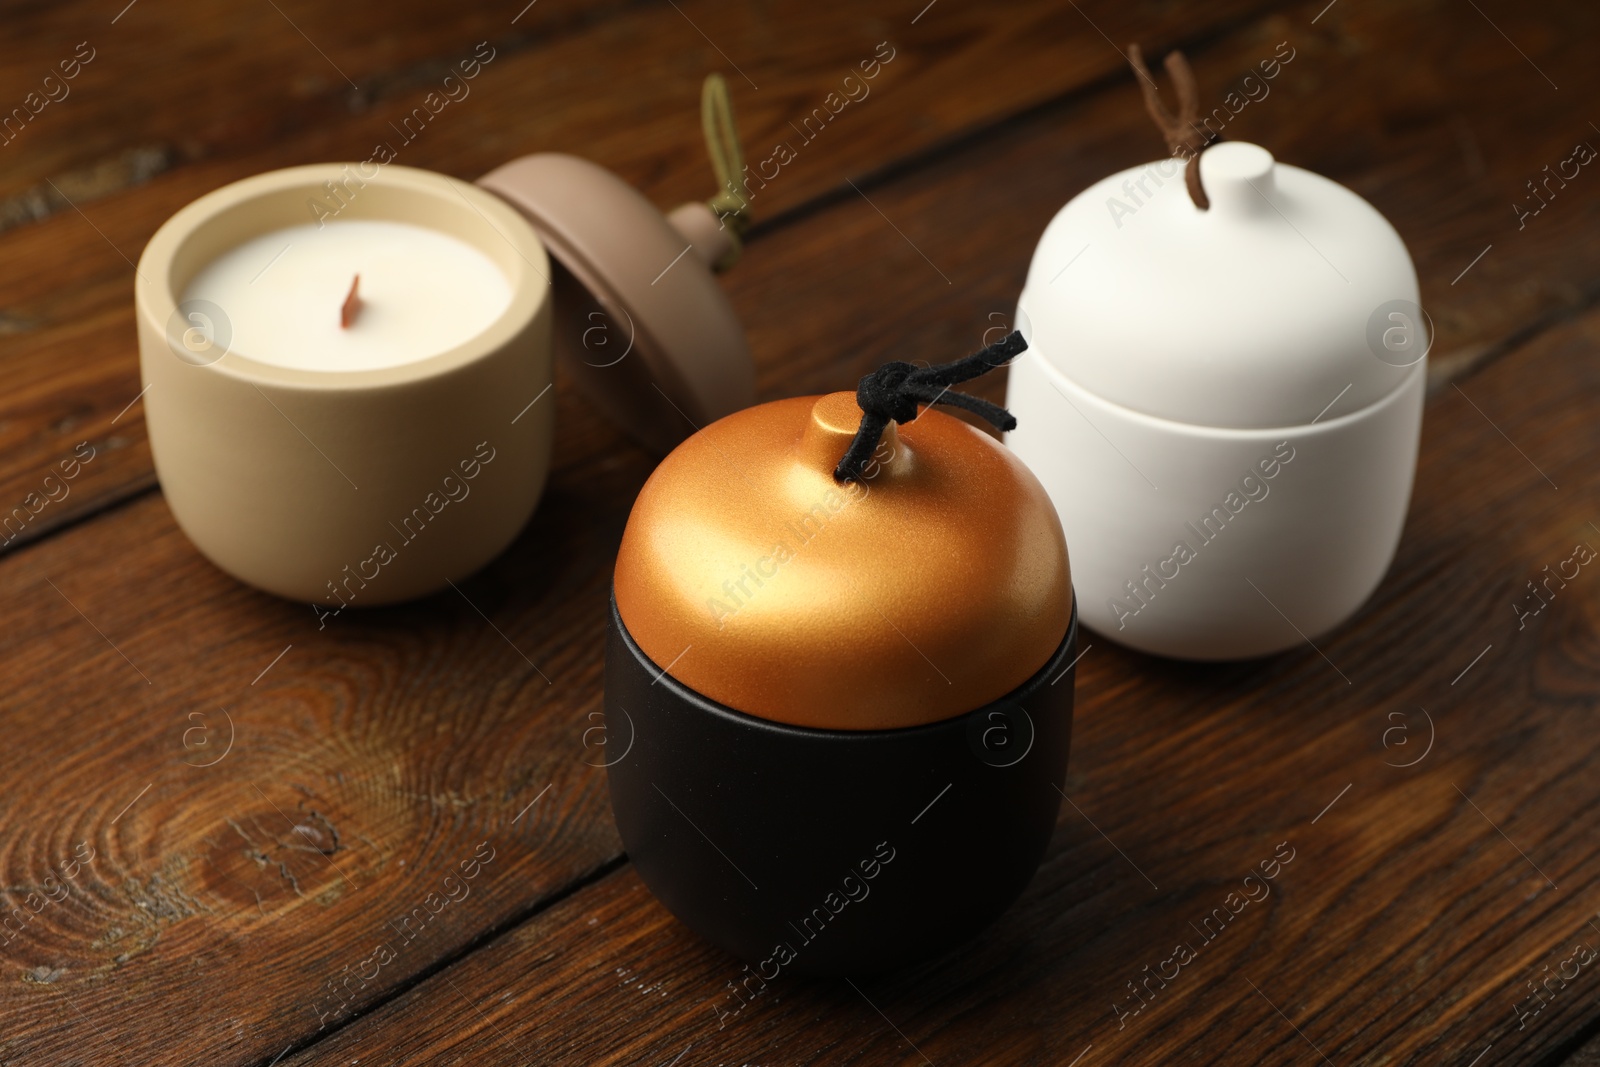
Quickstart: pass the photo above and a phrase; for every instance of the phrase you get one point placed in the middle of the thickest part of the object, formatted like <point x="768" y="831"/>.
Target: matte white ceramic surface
<point x="1224" y="405"/>
<point x="1273" y="560"/>
<point x="1254" y="313"/>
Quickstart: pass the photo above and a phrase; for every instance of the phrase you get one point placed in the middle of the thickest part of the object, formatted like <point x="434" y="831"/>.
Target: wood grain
<point x="203" y="83"/>
<point x="368" y="761"/>
<point x="1588" y="1055"/>
<point x="1418" y="902"/>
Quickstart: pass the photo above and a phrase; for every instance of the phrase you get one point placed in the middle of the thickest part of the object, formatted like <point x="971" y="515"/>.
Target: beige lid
<point x="640" y="320"/>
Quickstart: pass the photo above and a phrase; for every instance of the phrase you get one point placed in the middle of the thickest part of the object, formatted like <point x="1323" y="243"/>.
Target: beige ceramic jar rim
<point x="235" y="213"/>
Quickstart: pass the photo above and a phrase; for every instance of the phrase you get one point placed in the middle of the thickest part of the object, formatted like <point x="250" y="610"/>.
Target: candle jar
<point x="838" y="713"/>
<point x="307" y="458"/>
<point x="1223" y="402"/>
<point x="345" y="477"/>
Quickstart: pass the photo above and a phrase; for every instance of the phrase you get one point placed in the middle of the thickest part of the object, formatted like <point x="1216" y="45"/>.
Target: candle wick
<point x="351" y="305"/>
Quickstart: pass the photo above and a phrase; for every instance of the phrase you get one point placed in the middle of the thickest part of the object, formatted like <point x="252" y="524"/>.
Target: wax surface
<point x="422" y="292"/>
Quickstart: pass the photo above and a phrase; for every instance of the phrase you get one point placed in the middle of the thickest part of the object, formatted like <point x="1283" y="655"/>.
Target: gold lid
<point x="934" y="584"/>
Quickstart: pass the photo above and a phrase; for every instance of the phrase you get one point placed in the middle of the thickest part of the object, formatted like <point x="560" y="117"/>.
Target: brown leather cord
<point x="1185" y="136"/>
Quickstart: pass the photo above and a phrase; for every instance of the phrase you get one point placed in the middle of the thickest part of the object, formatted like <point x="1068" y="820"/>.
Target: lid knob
<point x="835" y="420"/>
<point x="1238" y="177"/>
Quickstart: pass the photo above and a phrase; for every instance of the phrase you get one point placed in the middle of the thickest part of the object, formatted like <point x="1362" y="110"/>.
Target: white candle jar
<point x="361" y="468"/>
<point x="1223" y="404"/>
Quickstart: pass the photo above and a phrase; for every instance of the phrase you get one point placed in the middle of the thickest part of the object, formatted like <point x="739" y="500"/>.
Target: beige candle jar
<point x="352" y="487"/>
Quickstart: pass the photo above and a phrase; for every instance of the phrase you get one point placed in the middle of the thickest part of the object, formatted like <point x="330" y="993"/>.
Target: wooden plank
<point x="191" y="83"/>
<point x="237" y="96"/>
<point x="1417" y="903"/>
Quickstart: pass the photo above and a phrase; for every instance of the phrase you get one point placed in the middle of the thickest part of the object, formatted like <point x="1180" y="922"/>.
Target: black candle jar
<point x="839" y="731"/>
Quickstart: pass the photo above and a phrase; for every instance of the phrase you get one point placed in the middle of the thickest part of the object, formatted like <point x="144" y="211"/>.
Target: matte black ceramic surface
<point x="832" y="852"/>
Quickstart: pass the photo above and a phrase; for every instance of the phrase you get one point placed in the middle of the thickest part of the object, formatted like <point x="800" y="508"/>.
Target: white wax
<point x="422" y="292"/>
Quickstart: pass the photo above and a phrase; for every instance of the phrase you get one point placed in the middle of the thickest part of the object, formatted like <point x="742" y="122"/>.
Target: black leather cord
<point x="897" y="391"/>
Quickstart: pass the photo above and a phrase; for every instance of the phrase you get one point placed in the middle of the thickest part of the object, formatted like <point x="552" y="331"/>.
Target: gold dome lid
<point x="934" y="583"/>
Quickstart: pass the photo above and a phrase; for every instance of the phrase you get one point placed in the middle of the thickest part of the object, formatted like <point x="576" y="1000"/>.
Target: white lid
<point x="1256" y="313"/>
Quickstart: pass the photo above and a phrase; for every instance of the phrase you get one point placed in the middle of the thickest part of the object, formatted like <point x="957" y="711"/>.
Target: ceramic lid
<point x="934" y="584"/>
<point x="640" y="321"/>
<point x="1259" y="312"/>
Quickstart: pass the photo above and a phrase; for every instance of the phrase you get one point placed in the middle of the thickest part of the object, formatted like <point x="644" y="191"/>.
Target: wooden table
<point x="1441" y="808"/>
